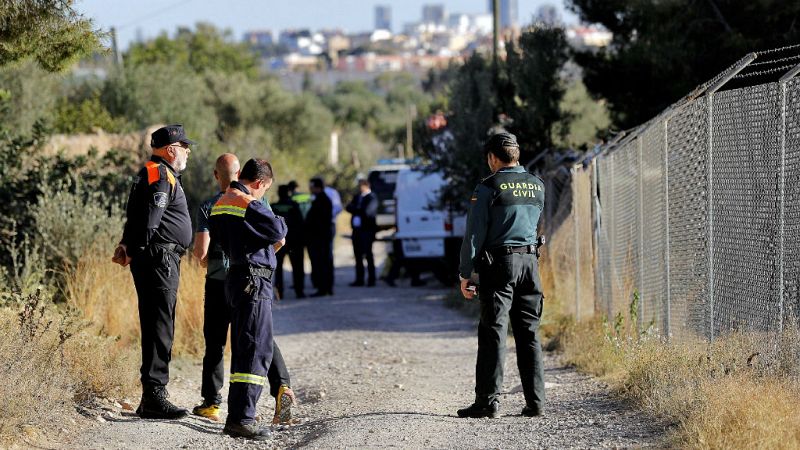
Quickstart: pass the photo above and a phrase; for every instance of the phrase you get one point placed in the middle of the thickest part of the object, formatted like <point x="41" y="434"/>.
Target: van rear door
<point x="420" y="227"/>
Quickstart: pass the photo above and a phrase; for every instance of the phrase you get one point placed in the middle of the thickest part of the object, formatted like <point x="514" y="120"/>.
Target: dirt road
<point x="388" y="367"/>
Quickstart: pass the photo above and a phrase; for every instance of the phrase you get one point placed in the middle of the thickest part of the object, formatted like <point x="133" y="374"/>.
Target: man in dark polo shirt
<point x="157" y="232"/>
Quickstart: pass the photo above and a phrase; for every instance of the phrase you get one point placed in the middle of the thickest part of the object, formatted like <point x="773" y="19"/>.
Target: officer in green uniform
<point x="500" y="245"/>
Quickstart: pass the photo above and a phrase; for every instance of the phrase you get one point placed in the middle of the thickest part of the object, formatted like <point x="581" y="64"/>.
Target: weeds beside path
<point x="386" y="367"/>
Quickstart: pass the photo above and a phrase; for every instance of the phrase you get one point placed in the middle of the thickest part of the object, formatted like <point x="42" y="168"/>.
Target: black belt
<point x="264" y="272"/>
<point x="507" y="250"/>
<point x="172" y="247"/>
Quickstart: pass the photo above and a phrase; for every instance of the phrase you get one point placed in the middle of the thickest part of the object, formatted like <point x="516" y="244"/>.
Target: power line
<point x="154" y="13"/>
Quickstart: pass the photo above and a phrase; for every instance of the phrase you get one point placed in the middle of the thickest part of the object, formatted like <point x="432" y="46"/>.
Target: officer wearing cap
<point x="249" y="234"/>
<point x="157" y="232"/>
<point x="500" y="245"/>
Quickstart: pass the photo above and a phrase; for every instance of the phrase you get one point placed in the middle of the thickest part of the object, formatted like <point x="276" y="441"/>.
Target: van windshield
<point x="382" y="183"/>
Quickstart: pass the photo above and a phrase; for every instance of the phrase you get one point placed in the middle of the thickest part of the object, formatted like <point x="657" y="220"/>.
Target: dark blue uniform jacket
<point x="245" y="228"/>
<point x="157" y="211"/>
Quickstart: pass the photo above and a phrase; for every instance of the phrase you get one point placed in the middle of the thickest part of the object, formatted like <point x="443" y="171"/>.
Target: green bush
<point x="85" y="116"/>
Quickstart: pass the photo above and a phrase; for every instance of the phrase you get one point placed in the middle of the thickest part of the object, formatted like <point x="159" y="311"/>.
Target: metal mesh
<point x="687" y="141"/>
<point x="603" y="237"/>
<point x="698" y="211"/>
<point x="567" y="267"/>
<point x="558" y="267"/>
<point x="745" y="211"/>
<point x="791" y="222"/>
<point x="582" y="216"/>
<point x="654" y="227"/>
<point x="625" y="218"/>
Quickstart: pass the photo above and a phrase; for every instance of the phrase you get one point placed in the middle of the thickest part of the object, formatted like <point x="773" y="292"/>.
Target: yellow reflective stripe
<point x="228" y="209"/>
<point x="248" y="378"/>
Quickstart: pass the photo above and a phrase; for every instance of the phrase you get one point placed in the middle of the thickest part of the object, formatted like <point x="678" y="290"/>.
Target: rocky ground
<point x="388" y="367"/>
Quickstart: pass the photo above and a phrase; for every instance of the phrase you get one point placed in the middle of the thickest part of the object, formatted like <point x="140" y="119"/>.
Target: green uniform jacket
<point x="504" y="211"/>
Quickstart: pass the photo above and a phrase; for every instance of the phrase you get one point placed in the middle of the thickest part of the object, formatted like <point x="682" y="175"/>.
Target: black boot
<point x="531" y="411"/>
<point x="249" y="431"/>
<point x="476" y="411"/>
<point x="155" y="405"/>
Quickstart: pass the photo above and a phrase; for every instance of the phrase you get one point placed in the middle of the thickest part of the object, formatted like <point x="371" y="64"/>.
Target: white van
<point x="428" y="234"/>
<point x="382" y="180"/>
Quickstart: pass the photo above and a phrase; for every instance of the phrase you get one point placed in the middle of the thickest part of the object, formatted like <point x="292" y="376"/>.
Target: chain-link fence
<point x="696" y="213"/>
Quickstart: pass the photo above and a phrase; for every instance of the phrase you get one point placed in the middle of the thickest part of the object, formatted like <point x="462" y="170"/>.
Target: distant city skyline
<point x="145" y="19"/>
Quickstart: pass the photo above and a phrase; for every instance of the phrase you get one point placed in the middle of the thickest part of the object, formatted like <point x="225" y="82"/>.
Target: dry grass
<point x="48" y="363"/>
<point x="105" y="295"/>
<point x="740" y="391"/>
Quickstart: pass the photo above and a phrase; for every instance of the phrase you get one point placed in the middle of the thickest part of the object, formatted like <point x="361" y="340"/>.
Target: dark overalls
<point x="217" y="318"/>
<point x="246" y="229"/>
<point x="500" y="244"/>
<point x="157" y="232"/>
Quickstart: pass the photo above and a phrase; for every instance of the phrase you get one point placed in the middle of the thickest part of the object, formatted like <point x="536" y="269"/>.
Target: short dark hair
<point x="283" y="191"/>
<point x="503" y="146"/>
<point x="317" y="183"/>
<point x="363" y="182"/>
<point x="256" y="169"/>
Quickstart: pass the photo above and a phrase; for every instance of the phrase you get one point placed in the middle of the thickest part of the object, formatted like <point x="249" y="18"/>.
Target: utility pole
<point x="411" y="114"/>
<point x="115" y="48"/>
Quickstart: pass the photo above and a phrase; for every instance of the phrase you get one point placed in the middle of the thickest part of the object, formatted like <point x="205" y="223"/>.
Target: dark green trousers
<point x="510" y="289"/>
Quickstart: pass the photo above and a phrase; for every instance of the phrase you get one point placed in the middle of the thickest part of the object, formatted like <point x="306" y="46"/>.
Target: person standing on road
<point x="500" y="244"/>
<point x="364" y="208"/>
<point x="319" y="236"/>
<point x="336" y="203"/>
<point x="303" y="199"/>
<point x="290" y="211"/>
<point x="217" y="312"/>
<point x="157" y="232"/>
<point x="249" y="234"/>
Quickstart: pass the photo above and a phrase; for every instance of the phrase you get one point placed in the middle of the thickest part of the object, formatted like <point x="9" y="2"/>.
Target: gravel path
<point x="383" y="367"/>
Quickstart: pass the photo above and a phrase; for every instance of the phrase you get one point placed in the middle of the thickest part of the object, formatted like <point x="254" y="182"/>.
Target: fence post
<point x="710" y="99"/>
<point x="710" y="166"/>
<point x="640" y="198"/>
<point x="612" y="234"/>
<point x="668" y="312"/>
<point x="573" y="173"/>
<point x="781" y="293"/>
<point x="597" y="265"/>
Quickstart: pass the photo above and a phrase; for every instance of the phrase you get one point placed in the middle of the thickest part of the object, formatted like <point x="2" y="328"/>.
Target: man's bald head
<point x="226" y="169"/>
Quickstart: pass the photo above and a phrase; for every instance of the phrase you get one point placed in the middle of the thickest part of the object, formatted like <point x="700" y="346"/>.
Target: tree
<point x="206" y="49"/>
<point x="474" y="102"/>
<point x="534" y="68"/>
<point x="525" y="99"/>
<point x="662" y="50"/>
<point x="47" y="31"/>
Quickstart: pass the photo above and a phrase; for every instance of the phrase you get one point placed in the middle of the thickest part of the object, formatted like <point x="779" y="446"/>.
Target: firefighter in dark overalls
<point x="157" y="232"/>
<point x="217" y="313"/>
<point x="501" y="245"/>
<point x="249" y="234"/>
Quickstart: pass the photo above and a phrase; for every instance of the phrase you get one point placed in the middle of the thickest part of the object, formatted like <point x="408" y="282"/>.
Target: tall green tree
<point x="458" y="152"/>
<point x="661" y="50"/>
<point x="204" y="49"/>
<point x="525" y="99"/>
<point x="50" y="32"/>
<point x="534" y="66"/>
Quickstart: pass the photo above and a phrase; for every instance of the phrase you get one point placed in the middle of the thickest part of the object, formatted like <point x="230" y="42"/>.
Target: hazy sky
<point x="149" y="17"/>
